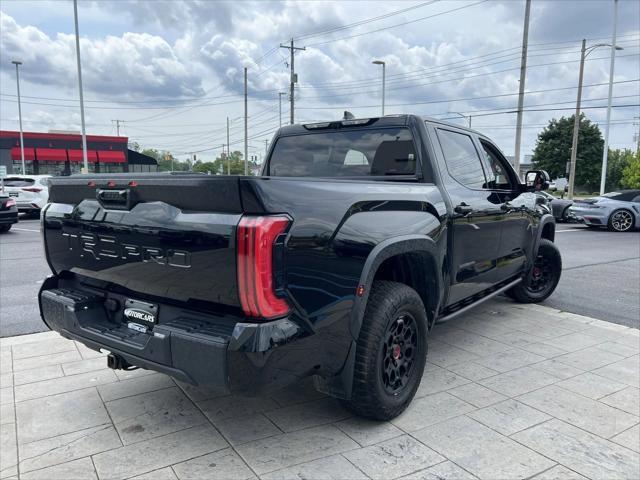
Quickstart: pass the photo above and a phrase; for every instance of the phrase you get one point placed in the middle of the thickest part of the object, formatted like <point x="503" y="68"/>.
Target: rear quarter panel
<point x="336" y="225"/>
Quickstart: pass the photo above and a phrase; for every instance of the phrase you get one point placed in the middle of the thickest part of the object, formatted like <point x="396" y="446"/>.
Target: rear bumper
<point x="589" y="216"/>
<point x="221" y="353"/>
<point x="8" y="217"/>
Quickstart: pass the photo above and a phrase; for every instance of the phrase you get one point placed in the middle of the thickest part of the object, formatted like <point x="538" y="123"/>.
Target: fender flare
<point x="341" y="385"/>
<point x="381" y="252"/>
<point x="546" y="219"/>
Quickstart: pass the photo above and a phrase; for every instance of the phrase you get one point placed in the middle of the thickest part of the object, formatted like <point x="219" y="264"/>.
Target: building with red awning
<point x="57" y="153"/>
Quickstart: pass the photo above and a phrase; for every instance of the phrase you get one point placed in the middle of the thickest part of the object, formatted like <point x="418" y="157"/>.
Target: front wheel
<point x="620" y="221"/>
<point x="543" y="278"/>
<point x="390" y="353"/>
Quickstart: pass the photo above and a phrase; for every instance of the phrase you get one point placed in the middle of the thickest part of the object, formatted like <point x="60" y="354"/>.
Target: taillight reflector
<point x="256" y="237"/>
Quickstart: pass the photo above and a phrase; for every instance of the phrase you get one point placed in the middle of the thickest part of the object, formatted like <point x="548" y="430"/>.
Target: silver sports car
<point x="618" y="211"/>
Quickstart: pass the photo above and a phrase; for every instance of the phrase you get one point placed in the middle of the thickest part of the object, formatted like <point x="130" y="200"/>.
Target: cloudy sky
<point x="172" y="70"/>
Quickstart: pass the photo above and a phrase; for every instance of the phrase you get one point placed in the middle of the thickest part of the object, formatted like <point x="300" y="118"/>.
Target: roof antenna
<point x="348" y="115"/>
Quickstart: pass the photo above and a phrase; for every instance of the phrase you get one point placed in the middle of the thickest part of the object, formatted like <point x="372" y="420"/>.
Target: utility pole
<point x="17" y="64"/>
<point x="246" y="128"/>
<point x="294" y="78"/>
<point x="280" y="94"/>
<point x="523" y="75"/>
<point x="85" y="161"/>
<point x="605" y="153"/>
<point x="228" y="150"/>
<point x="576" y="125"/>
<point x="118" y="126"/>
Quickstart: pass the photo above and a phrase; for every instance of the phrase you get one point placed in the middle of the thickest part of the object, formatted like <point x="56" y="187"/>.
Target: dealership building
<point x="60" y="153"/>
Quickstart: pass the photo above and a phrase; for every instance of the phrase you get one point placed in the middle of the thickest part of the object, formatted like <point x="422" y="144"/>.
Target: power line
<point x="363" y="22"/>
<point x="317" y="107"/>
<point x="465" y="77"/>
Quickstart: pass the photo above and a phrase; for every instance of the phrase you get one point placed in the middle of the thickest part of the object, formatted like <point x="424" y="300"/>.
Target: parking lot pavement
<point x="600" y="274"/>
<point x="510" y="391"/>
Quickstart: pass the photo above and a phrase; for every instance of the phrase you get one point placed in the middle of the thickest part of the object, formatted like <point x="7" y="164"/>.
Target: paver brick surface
<point x="509" y="391"/>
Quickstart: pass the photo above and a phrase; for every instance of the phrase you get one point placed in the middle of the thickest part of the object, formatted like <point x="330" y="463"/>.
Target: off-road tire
<point x="549" y="255"/>
<point x="388" y="304"/>
<point x="629" y="224"/>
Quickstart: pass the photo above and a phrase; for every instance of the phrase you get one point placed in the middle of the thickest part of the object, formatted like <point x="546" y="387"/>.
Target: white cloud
<point x="134" y="65"/>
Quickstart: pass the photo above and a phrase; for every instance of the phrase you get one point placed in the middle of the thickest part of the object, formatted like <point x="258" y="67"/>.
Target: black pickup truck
<point x="335" y="263"/>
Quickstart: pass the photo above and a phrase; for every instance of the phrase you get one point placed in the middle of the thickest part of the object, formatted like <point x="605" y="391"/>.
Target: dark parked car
<point x="559" y="207"/>
<point x="336" y="263"/>
<point x="8" y="212"/>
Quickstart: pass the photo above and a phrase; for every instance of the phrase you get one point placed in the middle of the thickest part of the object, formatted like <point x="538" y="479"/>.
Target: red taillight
<point x="32" y="189"/>
<point x="10" y="203"/>
<point x="256" y="238"/>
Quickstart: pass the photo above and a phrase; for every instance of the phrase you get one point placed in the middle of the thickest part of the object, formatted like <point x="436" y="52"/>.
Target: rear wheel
<point x="390" y="353"/>
<point x="543" y="278"/>
<point x="5" y="228"/>
<point x="620" y="221"/>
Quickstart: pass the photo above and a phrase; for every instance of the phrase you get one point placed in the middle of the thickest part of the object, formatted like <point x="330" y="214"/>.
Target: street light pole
<point x="246" y="120"/>
<point x="576" y="123"/>
<point x="605" y="153"/>
<point x="17" y="64"/>
<point x="384" y="79"/>
<point x="280" y="94"/>
<point x="84" y="132"/>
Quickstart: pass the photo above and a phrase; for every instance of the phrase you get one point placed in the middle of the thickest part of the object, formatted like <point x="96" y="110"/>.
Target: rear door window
<point x="461" y="158"/>
<point x="382" y="152"/>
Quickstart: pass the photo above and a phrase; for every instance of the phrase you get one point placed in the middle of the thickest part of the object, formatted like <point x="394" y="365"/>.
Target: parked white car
<point x="31" y="192"/>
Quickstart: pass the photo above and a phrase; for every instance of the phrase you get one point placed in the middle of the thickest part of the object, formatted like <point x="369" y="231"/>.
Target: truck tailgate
<point x="168" y="237"/>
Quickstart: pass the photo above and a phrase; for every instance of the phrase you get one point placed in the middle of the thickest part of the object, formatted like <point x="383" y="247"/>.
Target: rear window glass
<point x="622" y="196"/>
<point x="349" y="153"/>
<point x="18" y="182"/>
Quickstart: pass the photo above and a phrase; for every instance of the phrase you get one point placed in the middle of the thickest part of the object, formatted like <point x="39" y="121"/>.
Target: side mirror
<point x="537" y="180"/>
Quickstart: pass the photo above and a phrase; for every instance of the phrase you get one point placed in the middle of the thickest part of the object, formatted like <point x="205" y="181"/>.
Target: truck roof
<point x="386" y="121"/>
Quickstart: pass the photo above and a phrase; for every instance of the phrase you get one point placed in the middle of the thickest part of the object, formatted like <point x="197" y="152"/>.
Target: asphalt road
<point x="601" y="276"/>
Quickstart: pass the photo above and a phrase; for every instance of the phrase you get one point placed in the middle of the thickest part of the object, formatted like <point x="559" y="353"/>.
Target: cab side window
<point x="498" y="177"/>
<point x="461" y="158"/>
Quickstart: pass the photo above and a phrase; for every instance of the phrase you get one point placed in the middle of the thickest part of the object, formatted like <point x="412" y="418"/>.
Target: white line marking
<point x="570" y="231"/>
<point x="26" y="230"/>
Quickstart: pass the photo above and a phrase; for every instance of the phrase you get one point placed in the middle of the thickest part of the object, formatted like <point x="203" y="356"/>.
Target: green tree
<point x="221" y="165"/>
<point x="553" y="151"/>
<point x="631" y="173"/>
<point x="617" y="161"/>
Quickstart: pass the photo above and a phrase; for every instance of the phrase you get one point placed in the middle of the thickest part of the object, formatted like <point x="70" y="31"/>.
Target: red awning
<point x="51" y="155"/>
<point x="75" y="156"/>
<point x="29" y="153"/>
<point x="111" y="156"/>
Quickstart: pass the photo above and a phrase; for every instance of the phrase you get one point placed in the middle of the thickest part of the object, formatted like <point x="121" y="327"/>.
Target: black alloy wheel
<point x="398" y="353"/>
<point x="543" y="278"/>
<point x="391" y="352"/>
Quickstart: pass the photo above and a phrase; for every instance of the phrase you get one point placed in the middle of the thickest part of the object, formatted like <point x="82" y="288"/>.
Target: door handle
<point x="463" y="209"/>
